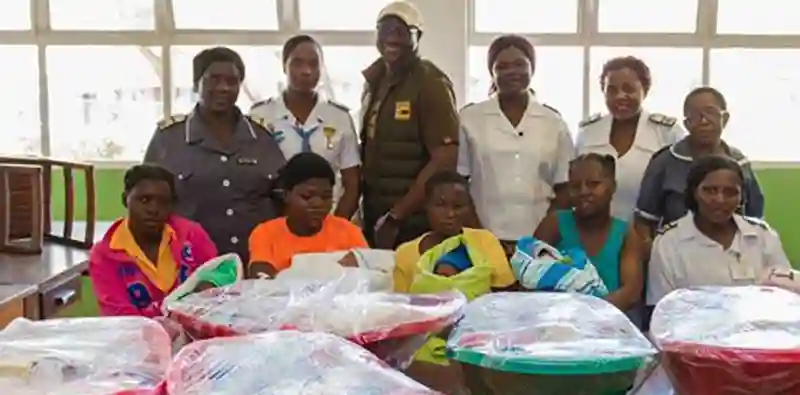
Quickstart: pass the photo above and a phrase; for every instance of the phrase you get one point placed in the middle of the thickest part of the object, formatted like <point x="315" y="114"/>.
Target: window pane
<point x="16" y="15"/>
<point x="104" y="15"/>
<point x="629" y="16"/>
<point x="263" y="76"/>
<point x="344" y="66"/>
<point x="360" y="14"/>
<point x="226" y="15"/>
<point x="761" y="87"/>
<point x="762" y="17"/>
<point x="110" y="115"/>
<point x="674" y="71"/>
<point x="526" y="16"/>
<point x="558" y="80"/>
<point x="20" y="96"/>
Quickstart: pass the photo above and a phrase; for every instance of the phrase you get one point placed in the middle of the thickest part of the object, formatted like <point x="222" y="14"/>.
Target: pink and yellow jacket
<point x="127" y="283"/>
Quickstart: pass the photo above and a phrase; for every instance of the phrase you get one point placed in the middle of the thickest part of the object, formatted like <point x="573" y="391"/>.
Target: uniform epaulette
<point x="659" y="152"/>
<point x="339" y="106"/>
<point x="661" y="119"/>
<point x="551" y="108"/>
<point x="260" y="103"/>
<point x="592" y="119"/>
<point x="165" y="123"/>
<point x="667" y="227"/>
<point x="758" y="222"/>
<point x="261" y="122"/>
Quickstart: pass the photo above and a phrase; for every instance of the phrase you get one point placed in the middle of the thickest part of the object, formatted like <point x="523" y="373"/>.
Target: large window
<point x="104" y="101"/>
<point x="674" y="71"/>
<point x="762" y="88"/>
<point x="16" y="15"/>
<point x="761" y="17"/>
<point x="20" y="96"/>
<point x="263" y="76"/>
<point x="225" y="14"/>
<point x="528" y="16"/>
<point x="634" y="16"/>
<point x="558" y="80"/>
<point x="349" y="14"/>
<point x="102" y="14"/>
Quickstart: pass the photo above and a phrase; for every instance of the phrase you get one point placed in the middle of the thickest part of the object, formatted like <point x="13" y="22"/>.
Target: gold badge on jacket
<point x="402" y="111"/>
<point x="329" y="132"/>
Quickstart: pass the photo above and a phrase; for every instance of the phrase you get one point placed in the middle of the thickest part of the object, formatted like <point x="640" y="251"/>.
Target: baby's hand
<point x="349" y="260"/>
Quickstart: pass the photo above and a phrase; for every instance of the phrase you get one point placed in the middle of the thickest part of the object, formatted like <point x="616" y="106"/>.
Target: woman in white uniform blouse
<point x="302" y="122"/>
<point x="713" y="244"/>
<point x="628" y="132"/>
<point x="515" y="150"/>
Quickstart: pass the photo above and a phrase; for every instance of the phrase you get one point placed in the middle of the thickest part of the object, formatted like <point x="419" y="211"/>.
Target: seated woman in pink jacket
<point x="148" y="253"/>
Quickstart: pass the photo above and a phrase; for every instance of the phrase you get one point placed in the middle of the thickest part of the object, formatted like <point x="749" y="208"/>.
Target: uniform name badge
<point x="402" y="111"/>
<point x="329" y="132"/>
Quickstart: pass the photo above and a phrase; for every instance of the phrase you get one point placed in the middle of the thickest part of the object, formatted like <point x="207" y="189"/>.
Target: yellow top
<point x="163" y="273"/>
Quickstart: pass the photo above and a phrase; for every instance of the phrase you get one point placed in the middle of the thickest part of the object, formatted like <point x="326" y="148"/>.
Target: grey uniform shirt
<point x="228" y="190"/>
<point x="661" y="198"/>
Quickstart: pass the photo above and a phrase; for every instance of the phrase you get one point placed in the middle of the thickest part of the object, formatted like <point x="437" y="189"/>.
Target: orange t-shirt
<point x="274" y="243"/>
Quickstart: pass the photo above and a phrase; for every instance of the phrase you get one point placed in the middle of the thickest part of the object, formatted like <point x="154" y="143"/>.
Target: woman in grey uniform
<point x="225" y="162"/>
<point x="662" y="197"/>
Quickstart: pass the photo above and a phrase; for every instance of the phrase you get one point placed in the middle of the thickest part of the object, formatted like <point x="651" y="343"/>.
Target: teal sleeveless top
<point x="607" y="259"/>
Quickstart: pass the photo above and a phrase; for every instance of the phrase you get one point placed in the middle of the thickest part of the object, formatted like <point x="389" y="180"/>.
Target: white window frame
<point x="449" y="33"/>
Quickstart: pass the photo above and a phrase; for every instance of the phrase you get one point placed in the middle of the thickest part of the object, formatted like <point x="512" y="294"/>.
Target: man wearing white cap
<point x="409" y="129"/>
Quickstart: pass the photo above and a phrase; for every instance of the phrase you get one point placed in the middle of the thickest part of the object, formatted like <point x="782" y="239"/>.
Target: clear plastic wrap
<point x="374" y="271"/>
<point x="393" y="326"/>
<point x="558" y="343"/>
<point x="730" y="340"/>
<point x="284" y="363"/>
<point x="85" y="356"/>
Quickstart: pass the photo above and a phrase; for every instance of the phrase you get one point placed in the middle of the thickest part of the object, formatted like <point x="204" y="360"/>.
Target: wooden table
<point x="18" y="301"/>
<point x="55" y="274"/>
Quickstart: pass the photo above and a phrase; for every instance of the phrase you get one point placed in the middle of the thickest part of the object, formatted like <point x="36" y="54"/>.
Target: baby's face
<point x="446" y="270"/>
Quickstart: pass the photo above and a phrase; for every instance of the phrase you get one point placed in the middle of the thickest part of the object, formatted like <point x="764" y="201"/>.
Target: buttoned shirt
<point x="684" y="257"/>
<point x="226" y="188"/>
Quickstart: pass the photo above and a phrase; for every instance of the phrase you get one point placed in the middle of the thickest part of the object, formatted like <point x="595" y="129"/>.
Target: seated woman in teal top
<point x="613" y="249"/>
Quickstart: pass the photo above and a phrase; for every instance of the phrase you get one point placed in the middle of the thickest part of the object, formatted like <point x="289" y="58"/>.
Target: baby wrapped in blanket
<point x="541" y="267"/>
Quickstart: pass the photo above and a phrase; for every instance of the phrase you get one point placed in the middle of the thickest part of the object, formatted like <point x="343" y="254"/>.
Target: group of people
<point x="655" y="208"/>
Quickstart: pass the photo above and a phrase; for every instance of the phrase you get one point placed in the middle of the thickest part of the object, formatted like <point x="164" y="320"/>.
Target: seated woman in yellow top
<point x="307" y="226"/>
<point x="448" y="206"/>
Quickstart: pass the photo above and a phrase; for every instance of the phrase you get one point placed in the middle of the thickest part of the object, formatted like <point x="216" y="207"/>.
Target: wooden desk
<point x="18" y="301"/>
<point x="55" y="273"/>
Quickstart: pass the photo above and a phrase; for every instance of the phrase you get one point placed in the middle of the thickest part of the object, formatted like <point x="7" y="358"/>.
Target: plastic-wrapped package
<point x="555" y="343"/>
<point x="730" y="340"/>
<point x="85" y="356"/>
<point x="393" y="326"/>
<point x="374" y="271"/>
<point x="284" y="363"/>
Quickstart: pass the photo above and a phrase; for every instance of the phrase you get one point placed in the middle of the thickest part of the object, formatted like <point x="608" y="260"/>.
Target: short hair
<point x="444" y="177"/>
<point x="303" y="167"/>
<point x="500" y="43"/>
<point x="701" y="168"/>
<point x="718" y="96"/>
<point x="203" y="60"/>
<point x="294" y="42"/>
<point x="149" y="172"/>
<point x="607" y="162"/>
<point x="638" y="66"/>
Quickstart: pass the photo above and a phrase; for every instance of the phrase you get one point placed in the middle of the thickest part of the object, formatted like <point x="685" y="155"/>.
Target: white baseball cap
<point x="404" y="10"/>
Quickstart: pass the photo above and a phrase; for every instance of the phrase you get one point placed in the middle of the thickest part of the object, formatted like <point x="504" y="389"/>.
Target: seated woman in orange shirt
<point x="307" y="226"/>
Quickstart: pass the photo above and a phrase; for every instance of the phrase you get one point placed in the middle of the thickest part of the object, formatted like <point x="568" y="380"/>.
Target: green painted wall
<point x="781" y="186"/>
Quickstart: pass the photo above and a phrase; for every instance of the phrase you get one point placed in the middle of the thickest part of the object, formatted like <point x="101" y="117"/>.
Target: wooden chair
<point x="19" y="190"/>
